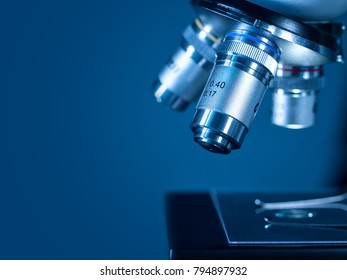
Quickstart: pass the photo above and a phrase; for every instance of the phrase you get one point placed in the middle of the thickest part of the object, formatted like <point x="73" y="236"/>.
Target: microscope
<point x="232" y="53"/>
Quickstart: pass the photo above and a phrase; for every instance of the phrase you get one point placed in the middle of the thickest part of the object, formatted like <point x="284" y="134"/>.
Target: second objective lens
<point x="184" y="76"/>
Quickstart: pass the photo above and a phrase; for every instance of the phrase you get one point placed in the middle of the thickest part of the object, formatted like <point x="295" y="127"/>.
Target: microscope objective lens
<point x="294" y="91"/>
<point x="234" y="52"/>
<point x="245" y="64"/>
<point x="184" y="76"/>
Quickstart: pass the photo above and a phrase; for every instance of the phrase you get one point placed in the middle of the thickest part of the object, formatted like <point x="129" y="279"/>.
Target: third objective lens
<point x="245" y="64"/>
<point x="294" y="91"/>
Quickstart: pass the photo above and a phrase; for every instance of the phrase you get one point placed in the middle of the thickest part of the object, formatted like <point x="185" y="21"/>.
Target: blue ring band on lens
<point x="253" y="39"/>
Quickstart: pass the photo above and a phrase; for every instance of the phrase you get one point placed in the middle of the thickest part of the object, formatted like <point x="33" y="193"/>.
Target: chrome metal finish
<point x="294" y="91"/>
<point x="292" y="37"/>
<point x="252" y="46"/>
<point x="256" y="39"/>
<point x="184" y="76"/>
<point x="319" y="10"/>
<point x="212" y="131"/>
<point x="245" y="64"/>
<point x="166" y="96"/>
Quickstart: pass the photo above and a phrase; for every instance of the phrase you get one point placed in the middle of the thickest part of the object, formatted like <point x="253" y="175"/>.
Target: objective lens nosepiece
<point x="245" y="65"/>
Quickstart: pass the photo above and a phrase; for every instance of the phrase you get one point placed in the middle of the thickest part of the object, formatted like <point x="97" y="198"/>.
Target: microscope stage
<point x="256" y="226"/>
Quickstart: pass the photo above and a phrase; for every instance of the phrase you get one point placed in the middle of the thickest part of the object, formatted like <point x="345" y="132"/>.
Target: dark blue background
<point x="87" y="155"/>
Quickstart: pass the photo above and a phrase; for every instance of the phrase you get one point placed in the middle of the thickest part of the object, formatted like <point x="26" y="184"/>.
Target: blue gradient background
<point x="87" y="155"/>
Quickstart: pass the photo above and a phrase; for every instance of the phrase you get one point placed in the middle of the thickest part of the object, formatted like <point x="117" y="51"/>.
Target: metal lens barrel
<point x="184" y="76"/>
<point x="245" y="65"/>
<point x="294" y="92"/>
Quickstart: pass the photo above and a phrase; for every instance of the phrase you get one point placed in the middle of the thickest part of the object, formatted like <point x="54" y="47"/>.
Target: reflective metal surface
<point x="245" y="64"/>
<point x="256" y="40"/>
<point x="294" y="91"/>
<point x="217" y="132"/>
<point x="295" y="39"/>
<point x="184" y="76"/>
